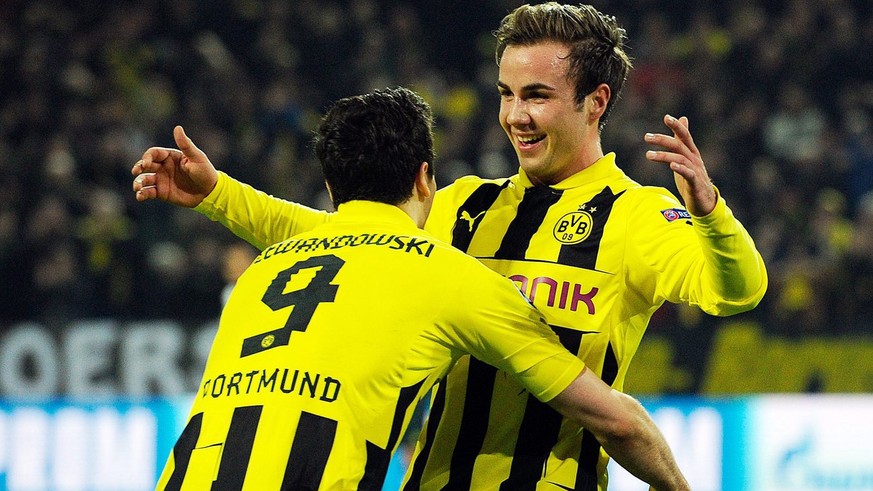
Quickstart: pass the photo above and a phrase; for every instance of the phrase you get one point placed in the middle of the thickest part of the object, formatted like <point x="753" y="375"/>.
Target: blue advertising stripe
<point x="49" y="424"/>
<point x="747" y="424"/>
<point x="735" y="417"/>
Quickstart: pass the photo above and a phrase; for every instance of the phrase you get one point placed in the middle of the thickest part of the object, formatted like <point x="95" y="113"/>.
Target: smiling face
<point x="553" y="136"/>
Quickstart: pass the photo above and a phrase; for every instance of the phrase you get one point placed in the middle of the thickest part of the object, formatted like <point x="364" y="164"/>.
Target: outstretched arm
<point x="186" y="177"/>
<point x="623" y="428"/>
<point x="182" y="176"/>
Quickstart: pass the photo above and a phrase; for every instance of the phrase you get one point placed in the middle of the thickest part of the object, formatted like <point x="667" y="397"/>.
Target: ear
<point x="423" y="182"/>
<point x="599" y="97"/>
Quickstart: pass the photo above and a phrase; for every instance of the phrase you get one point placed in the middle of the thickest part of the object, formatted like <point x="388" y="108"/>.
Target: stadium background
<point x="107" y="301"/>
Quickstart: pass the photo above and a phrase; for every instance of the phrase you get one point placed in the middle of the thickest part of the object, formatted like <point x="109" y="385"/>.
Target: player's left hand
<point x="685" y="161"/>
<point x="182" y="176"/>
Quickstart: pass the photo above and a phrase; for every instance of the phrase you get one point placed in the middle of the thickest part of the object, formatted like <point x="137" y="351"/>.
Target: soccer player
<point x="330" y="338"/>
<point x="597" y="252"/>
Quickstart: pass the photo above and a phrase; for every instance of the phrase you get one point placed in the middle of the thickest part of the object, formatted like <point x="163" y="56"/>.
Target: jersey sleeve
<point x="255" y="216"/>
<point x="710" y="261"/>
<point x="495" y="323"/>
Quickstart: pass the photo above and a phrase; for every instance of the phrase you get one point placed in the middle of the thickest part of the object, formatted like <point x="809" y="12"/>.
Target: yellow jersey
<point x="598" y="254"/>
<point x="331" y="338"/>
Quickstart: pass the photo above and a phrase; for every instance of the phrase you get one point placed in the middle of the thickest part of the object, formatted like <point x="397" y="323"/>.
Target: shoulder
<point x="450" y="199"/>
<point x="466" y="185"/>
<point x="651" y="207"/>
<point x="645" y="198"/>
<point x="449" y="264"/>
<point x="454" y="260"/>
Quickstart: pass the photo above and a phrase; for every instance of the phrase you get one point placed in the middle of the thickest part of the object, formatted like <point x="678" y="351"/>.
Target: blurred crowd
<point x="779" y="95"/>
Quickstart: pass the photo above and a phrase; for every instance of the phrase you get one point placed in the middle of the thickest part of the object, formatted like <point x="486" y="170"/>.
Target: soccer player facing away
<point x="331" y="337"/>
<point x="595" y="251"/>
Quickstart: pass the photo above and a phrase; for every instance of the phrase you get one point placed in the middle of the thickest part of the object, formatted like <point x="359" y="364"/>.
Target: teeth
<point x="529" y="139"/>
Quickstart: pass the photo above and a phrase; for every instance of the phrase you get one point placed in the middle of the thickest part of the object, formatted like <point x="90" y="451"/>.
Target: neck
<point x="416" y="210"/>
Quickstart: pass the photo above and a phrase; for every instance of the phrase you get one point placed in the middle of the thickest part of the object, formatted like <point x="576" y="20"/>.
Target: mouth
<point x="527" y="142"/>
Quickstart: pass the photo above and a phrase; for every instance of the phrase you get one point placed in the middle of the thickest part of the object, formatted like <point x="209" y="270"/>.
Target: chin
<point x="530" y="167"/>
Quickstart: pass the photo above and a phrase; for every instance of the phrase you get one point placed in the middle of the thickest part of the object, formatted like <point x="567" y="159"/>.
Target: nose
<point x="516" y="113"/>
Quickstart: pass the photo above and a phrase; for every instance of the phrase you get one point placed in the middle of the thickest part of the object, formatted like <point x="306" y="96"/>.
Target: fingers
<point x="681" y="131"/>
<point x="666" y="157"/>
<point x="673" y="149"/>
<point x="673" y="122"/>
<point x="153" y="158"/>
<point x="679" y="144"/>
<point x="145" y="186"/>
<point x="678" y="163"/>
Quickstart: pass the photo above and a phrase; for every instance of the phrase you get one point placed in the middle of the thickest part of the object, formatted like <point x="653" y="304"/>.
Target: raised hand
<point x="685" y="161"/>
<point x="182" y="177"/>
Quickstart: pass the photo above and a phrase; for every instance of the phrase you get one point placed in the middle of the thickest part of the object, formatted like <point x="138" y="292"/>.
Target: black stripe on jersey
<point x="182" y="452"/>
<point x="586" y="473"/>
<point x="470" y="214"/>
<point x="474" y="423"/>
<point x="310" y="450"/>
<point x="530" y="214"/>
<point x="238" y="448"/>
<point x="378" y="458"/>
<point x="417" y="465"/>
<point x="570" y="338"/>
<point x="537" y="435"/>
<point x="584" y="254"/>
<point x="610" y="366"/>
<point x="539" y="430"/>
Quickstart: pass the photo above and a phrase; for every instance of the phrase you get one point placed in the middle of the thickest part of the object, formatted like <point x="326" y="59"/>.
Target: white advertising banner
<point x="766" y="443"/>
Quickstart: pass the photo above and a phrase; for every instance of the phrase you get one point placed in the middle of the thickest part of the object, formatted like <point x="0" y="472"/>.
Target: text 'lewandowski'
<point x="404" y="243"/>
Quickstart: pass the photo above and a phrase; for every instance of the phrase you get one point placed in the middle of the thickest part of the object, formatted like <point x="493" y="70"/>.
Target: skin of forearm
<point x="623" y="428"/>
<point x="641" y="449"/>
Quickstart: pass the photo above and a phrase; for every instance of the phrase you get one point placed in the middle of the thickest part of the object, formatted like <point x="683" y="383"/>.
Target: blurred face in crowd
<point x="548" y="129"/>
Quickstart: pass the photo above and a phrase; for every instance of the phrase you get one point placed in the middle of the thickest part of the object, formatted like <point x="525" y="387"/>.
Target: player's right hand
<point x="182" y="177"/>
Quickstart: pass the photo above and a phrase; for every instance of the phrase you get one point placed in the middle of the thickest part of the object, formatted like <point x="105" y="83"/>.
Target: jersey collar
<point x="602" y="169"/>
<point x="374" y="212"/>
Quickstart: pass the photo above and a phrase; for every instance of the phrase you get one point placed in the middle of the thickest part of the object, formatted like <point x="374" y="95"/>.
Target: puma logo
<point x="471" y="220"/>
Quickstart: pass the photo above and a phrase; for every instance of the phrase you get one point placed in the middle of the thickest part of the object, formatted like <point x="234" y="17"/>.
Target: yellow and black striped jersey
<point x="598" y="254"/>
<point x="328" y="342"/>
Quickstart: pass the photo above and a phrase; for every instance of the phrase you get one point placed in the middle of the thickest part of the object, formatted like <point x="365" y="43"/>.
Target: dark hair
<point x="371" y="146"/>
<point x="596" y="41"/>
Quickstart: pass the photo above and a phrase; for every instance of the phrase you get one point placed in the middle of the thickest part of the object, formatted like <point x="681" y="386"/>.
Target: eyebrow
<point x="528" y="88"/>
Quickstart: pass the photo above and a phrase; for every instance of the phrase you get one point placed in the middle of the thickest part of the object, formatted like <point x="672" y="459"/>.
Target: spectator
<point x="785" y="88"/>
